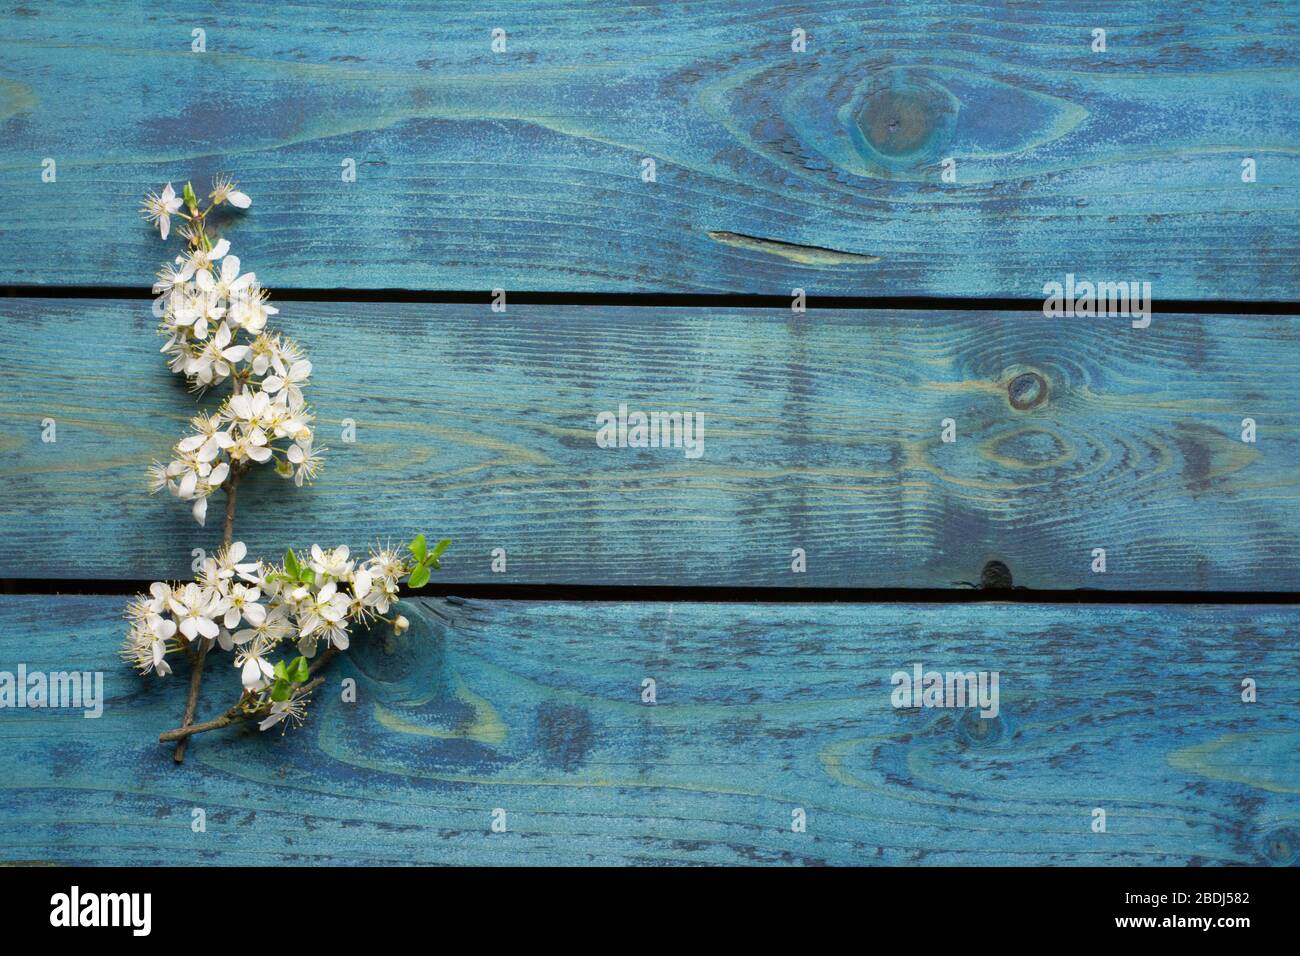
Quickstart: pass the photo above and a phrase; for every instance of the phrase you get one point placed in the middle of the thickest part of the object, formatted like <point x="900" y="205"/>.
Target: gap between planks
<point x="732" y="595"/>
<point x="667" y="299"/>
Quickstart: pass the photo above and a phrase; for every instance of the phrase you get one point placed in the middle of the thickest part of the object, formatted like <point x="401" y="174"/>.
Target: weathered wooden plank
<point x="821" y="431"/>
<point x="535" y="708"/>
<point x="775" y="169"/>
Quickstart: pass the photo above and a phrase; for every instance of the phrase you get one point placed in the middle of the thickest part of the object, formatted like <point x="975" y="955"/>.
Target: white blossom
<point x="254" y="669"/>
<point x="160" y="208"/>
<point x="292" y="710"/>
<point x="224" y="190"/>
<point x="249" y="311"/>
<point x="334" y="564"/>
<point x="196" y="609"/>
<point x="231" y="561"/>
<point x="304" y="464"/>
<point x="291" y="381"/>
<point x="244" y="606"/>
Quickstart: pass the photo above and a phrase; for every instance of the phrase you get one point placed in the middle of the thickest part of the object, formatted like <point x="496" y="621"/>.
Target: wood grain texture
<point x="522" y="170"/>
<point x="536" y="708"/>
<point x="821" y="432"/>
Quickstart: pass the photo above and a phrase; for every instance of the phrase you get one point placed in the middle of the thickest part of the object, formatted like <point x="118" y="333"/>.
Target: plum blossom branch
<point x="214" y="317"/>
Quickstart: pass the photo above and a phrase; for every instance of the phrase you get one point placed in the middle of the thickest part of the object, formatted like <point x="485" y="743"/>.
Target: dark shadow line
<point x="735" y="595"/>
<point x="672" y="299"/>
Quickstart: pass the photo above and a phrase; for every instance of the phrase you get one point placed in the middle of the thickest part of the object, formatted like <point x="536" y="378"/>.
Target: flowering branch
<point x="214" y="318"/>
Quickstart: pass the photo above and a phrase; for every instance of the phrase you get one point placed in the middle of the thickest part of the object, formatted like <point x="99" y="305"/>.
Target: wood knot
<point x="906" y="117"/>
<point x="976" y="731"/>
<point x="995" y="575"/>
<point x="1282" y="846"/>
<point x="1027" y="390"/>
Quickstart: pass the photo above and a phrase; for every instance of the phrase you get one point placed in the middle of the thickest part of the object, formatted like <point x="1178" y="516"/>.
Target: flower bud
<point x="401" y="624"/>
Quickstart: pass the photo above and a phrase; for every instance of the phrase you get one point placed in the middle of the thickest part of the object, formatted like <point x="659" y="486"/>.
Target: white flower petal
<point x="361" y="583"/>
<point x="250" y="675"/>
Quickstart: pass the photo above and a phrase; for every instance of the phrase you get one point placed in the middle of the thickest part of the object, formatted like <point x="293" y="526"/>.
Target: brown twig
<point x="196" y="671"/>
<point x="324" y="659"/>
<point x="233" y="716"/>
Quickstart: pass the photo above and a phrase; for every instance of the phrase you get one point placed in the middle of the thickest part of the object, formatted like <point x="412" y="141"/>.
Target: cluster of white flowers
<point x="253" y="608"/>
<point x="214" y="317"/>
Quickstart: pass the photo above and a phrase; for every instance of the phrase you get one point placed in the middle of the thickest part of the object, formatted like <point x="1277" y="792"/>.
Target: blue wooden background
<point x="774" y="170"/>
<point x="535" y="708"/>
<point x="821" y="432"/>
<point x="522" y="169"/>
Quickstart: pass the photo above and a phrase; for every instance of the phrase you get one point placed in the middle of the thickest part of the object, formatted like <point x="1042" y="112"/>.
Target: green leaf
<point x="306" y="575"/>
<point x="419" y="548"/>
<point x="291" y="564"/>
<point x="281" y="671"/>
<point x="298" y="670"/>
<point x="280" y="690"/>
<point x="434" y="563"/>
<point x="419" y="577"/>
<point x="441" y="546"/>
<point x="189" y="197"/>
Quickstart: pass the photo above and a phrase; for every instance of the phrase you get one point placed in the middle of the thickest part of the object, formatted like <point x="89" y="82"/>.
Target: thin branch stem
<point x="237" y="715"/>
<point x="233" y="716"/>
<point x="228" y="527"/>
<point x="324" y="659"/>
<point x="196" y="671"/>
<point x="200" y="659"/>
